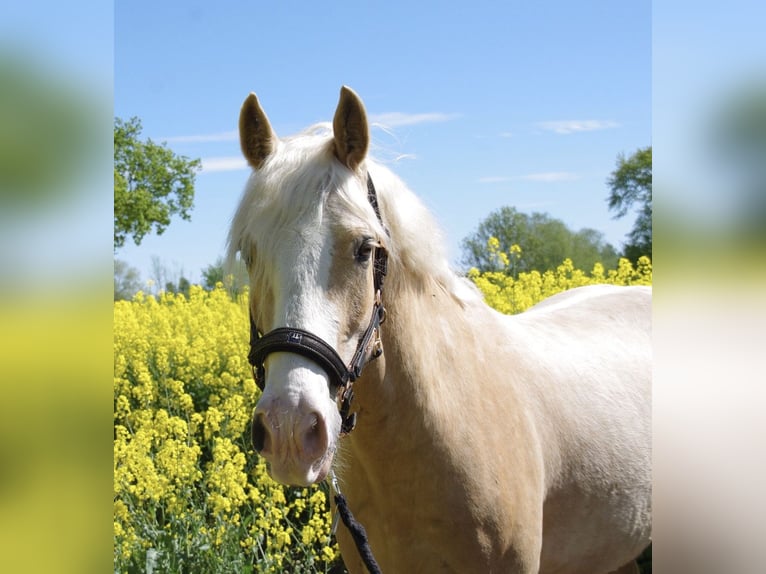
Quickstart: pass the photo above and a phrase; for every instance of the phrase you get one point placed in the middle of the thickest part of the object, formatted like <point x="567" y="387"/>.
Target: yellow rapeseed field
<point x="190" y="495"/>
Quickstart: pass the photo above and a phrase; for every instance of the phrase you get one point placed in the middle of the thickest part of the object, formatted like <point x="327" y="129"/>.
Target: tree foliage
<point x="151" y="184"/>
<point x="127" y="280"/>
<point x="47" y="133"/>
<point x="545" y="242"/>
<point x="631" y="185"/>
<point x="234" y="279"/>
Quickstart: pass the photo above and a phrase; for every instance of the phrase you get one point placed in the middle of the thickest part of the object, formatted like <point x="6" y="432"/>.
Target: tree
<point x="127" y="280"/>
<point x="545" y="242"/>
<point x="631" y="184"/>
<point x="234" y="278"/>
<point x="213" y="274"/>
<point x="163" y="278"/>
<point x="182" y="287"/>
<point x="151" y="184"/>
<point x="47" y="135"/>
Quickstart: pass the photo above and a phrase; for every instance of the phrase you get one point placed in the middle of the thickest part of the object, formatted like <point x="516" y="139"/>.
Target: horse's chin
<point x="323" y="470"/>
<point x="300" y="475"/>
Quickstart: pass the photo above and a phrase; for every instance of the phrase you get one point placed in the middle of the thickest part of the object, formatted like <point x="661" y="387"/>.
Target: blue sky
<point x="487" y="104"/>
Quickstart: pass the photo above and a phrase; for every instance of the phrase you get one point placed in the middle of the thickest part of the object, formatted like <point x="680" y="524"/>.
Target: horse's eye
<point x="364" y="251"/>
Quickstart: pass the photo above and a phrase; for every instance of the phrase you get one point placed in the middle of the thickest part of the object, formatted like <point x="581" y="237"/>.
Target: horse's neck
<point x="419" y="453"/>
<point x="412" y="397"/>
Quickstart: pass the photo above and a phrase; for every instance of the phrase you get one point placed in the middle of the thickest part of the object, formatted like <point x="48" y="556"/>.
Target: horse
<point x="481" y="442"/>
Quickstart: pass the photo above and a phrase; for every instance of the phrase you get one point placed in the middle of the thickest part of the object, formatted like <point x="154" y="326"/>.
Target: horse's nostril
<point x="258" y="432"/>
<point x="315" y="437"/>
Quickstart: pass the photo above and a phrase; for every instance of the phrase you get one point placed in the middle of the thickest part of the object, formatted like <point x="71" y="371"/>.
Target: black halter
<point x="294" y="340"/>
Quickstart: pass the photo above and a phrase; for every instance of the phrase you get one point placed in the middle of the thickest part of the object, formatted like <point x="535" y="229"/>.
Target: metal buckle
<point x="336" y="514"/>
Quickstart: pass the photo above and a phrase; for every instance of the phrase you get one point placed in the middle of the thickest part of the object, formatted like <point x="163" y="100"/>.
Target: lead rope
<point x="358" y="533"/>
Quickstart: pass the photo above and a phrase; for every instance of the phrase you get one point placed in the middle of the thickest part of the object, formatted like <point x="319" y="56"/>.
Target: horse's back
<point x="587" y="326"/>
<point x="608" y="299"/>
<point x="587" y="359"/>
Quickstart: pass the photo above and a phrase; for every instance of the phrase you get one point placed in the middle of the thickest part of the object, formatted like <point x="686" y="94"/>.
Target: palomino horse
<point x="483" y="442"/>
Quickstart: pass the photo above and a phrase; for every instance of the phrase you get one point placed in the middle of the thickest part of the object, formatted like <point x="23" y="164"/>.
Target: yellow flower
<point x="213" y="419"/>
<point x="183" y="394"/>
<point x="330" y="553"/>
<point x="513" y="295"/>
<point x="282" y="537"/>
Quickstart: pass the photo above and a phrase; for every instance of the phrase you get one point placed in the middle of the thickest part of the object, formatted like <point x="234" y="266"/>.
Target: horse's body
<point x="484" y="443"/>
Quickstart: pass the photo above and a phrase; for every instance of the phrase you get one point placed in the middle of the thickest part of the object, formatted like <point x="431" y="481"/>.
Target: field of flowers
<point x="190" y="495"/>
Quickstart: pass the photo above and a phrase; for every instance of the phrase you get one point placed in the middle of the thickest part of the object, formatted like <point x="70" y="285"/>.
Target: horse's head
<point x="308" y="234"/>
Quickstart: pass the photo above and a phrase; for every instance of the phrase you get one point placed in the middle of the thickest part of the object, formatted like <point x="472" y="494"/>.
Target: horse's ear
<point x="256" y="138"/>
<point x="349" y="126"/>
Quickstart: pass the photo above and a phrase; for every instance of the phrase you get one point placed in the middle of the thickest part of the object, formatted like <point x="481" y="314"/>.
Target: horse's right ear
<point x="256" y="138"/>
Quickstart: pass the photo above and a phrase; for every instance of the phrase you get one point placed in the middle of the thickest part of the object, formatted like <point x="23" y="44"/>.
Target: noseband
<point x="306" y="344"/>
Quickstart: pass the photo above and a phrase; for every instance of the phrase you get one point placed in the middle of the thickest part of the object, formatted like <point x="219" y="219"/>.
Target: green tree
<point x="151" y="184"/>
<point x="233" y="278"/>
<point x="47" y="131"/>
<point x="631" y="185"/>
<point x="165" y="278"/>
<point x="182" y="287"/>
<point x="213" y="274"/>
<point x="127" y="280"/>
<point x="545" y="242"/>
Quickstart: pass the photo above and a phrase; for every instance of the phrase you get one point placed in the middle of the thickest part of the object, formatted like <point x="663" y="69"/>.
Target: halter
<point x="306" y="344"/>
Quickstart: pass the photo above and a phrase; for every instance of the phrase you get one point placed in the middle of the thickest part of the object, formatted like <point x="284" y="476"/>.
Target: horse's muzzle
<point x="295" y="443"/>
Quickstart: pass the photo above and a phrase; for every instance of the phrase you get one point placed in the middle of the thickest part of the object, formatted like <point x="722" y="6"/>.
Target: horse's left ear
<point x="349" y="126"/>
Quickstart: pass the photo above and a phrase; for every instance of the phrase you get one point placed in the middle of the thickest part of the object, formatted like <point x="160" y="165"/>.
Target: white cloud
<point x="398" y="119"/>
<point x="204" y="138"/>
<point x="224" y="163"/>
<point x="574" y="126"/>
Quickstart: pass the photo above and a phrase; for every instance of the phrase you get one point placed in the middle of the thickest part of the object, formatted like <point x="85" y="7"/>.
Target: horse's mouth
<point x="323" y="465"/>
<point x="293" y="472"/>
